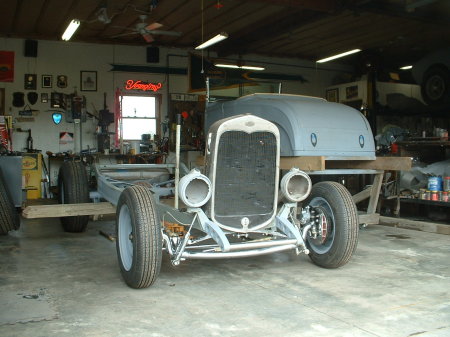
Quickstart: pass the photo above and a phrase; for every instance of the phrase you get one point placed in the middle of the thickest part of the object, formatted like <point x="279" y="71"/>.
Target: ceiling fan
<point x="148" y="30"/>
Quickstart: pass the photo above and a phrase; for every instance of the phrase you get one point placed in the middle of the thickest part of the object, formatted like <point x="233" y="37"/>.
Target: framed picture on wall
<point x="88" y="80"/>
<point x="44" y="97"/>
<point x="61" y="81"/>
<point x="332" y="95"/>
<point x="351" y="92"/>
<point x="30" y="82"/>
<point x="47" y="81"/>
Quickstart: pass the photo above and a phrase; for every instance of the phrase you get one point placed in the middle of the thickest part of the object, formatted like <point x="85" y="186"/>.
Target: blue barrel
<point x="435" y="183"/>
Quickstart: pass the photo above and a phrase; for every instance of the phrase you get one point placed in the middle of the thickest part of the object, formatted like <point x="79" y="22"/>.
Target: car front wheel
<point x="334" y="238"/>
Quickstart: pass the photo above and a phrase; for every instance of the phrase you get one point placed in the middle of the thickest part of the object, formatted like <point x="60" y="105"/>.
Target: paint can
<point x="434" y="196"/>
<point x="435" y="183"/>
<point x="445" y="196"/>
<point x="422" y="193"/>
<point x="446" y="184"/>
<point x="135" y="146"/>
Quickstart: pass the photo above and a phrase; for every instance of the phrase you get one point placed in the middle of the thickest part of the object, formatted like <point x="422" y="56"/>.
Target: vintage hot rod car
<point x="240" y="204"/>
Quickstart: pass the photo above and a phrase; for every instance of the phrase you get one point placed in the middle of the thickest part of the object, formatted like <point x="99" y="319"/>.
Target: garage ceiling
<point x="400" y="31"/>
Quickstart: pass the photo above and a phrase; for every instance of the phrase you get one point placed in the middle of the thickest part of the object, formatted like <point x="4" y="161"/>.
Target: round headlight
<point x="296" y="185"/>
<point x="194" y="189"/>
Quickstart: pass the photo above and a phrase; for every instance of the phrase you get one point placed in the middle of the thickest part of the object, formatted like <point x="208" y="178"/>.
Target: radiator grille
<point x="245" y="178"/>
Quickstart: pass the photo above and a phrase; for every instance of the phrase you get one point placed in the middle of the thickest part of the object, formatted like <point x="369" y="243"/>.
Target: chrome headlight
<point x="194" y="189"/>
<point x="296" y="185"/>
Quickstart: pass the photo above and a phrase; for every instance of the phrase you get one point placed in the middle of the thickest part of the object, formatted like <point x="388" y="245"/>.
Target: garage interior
<point x="132" y="87"/>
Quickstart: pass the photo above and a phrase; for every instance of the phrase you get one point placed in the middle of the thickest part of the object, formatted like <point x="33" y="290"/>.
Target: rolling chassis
<point x="324" y="226"/>
<point x="239" y="207"/>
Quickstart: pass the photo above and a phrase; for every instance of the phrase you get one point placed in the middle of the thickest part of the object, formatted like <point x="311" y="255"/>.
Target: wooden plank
<point x="363" y="195"/>
<point x="369" y="219"/>
<point x="303" y="163"/>
<point x="286" y="163"/>
<point x="423" y="226"/>
<point x="375" y="193"/>
<point x="380" y="163"/>
<point x="56" y="211"/>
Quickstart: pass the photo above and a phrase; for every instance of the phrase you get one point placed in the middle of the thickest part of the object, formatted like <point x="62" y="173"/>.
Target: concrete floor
<point x="61" y="284"/>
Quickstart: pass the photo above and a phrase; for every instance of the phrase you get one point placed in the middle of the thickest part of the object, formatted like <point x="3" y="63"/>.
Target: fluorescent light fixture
<point x="252" y="68"/>
<point x="214" y="40"/>
<point x="71" y="28"/>
<point x="221" y="65"/>
<point x="405" y="67"/>
<point x="235" y="66"/>
<point x="339" y="55"/>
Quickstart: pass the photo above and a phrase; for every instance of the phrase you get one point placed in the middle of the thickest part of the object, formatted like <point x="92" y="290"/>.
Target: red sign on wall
<point x="6" y="66"/>
<point x="139" y="85"/>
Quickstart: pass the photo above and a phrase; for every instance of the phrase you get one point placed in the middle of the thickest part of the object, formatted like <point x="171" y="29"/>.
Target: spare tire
<point x="9" y="217"/>
<point x="73" y="189"/>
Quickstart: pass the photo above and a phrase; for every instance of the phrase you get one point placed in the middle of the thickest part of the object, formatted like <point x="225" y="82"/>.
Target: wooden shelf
<point x="425" y="202"/>
<point x="444" y="143"/>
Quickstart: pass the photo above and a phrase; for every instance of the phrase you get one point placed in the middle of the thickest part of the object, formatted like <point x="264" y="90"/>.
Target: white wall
<point x="69" y="58"/>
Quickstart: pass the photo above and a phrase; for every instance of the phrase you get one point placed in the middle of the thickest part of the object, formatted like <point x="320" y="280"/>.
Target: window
<point x="139" y="115"/>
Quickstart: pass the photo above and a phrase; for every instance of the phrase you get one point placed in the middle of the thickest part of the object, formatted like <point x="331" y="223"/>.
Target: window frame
<point x="157" y="117"/>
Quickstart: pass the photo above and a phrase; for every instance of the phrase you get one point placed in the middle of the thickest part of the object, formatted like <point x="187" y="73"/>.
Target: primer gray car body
<point x="308" y="126"/>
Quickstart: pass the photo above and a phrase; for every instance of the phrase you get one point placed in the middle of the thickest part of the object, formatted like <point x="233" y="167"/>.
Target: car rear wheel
<point x="139" y="237"/>
<point x="336" y="234"/>
<point x="435" y="86"/>
<point x="9" y="218"/>
<point x="73" y="189"/>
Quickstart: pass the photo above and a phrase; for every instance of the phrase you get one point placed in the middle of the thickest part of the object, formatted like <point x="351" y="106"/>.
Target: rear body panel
<point x="308" y="126"/>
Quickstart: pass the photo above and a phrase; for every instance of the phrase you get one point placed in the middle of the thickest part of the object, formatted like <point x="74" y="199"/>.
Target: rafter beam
<point x="314" y="5"/>
<point x="286" y="21"/>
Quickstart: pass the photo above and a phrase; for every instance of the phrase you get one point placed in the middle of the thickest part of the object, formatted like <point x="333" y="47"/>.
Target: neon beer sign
<point x="139" y="85"/>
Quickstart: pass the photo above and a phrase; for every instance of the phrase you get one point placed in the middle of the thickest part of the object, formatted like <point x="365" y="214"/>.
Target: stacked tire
<point x="9" y="217"/>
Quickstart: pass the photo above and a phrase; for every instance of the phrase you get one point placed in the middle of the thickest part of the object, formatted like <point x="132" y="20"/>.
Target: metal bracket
<point x="285" y="226"/>
<point x="213" y="230"/>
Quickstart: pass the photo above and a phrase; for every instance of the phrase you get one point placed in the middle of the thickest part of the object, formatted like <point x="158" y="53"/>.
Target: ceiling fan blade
<point x="153" y="26"/>
<point x="148" y="38"/>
